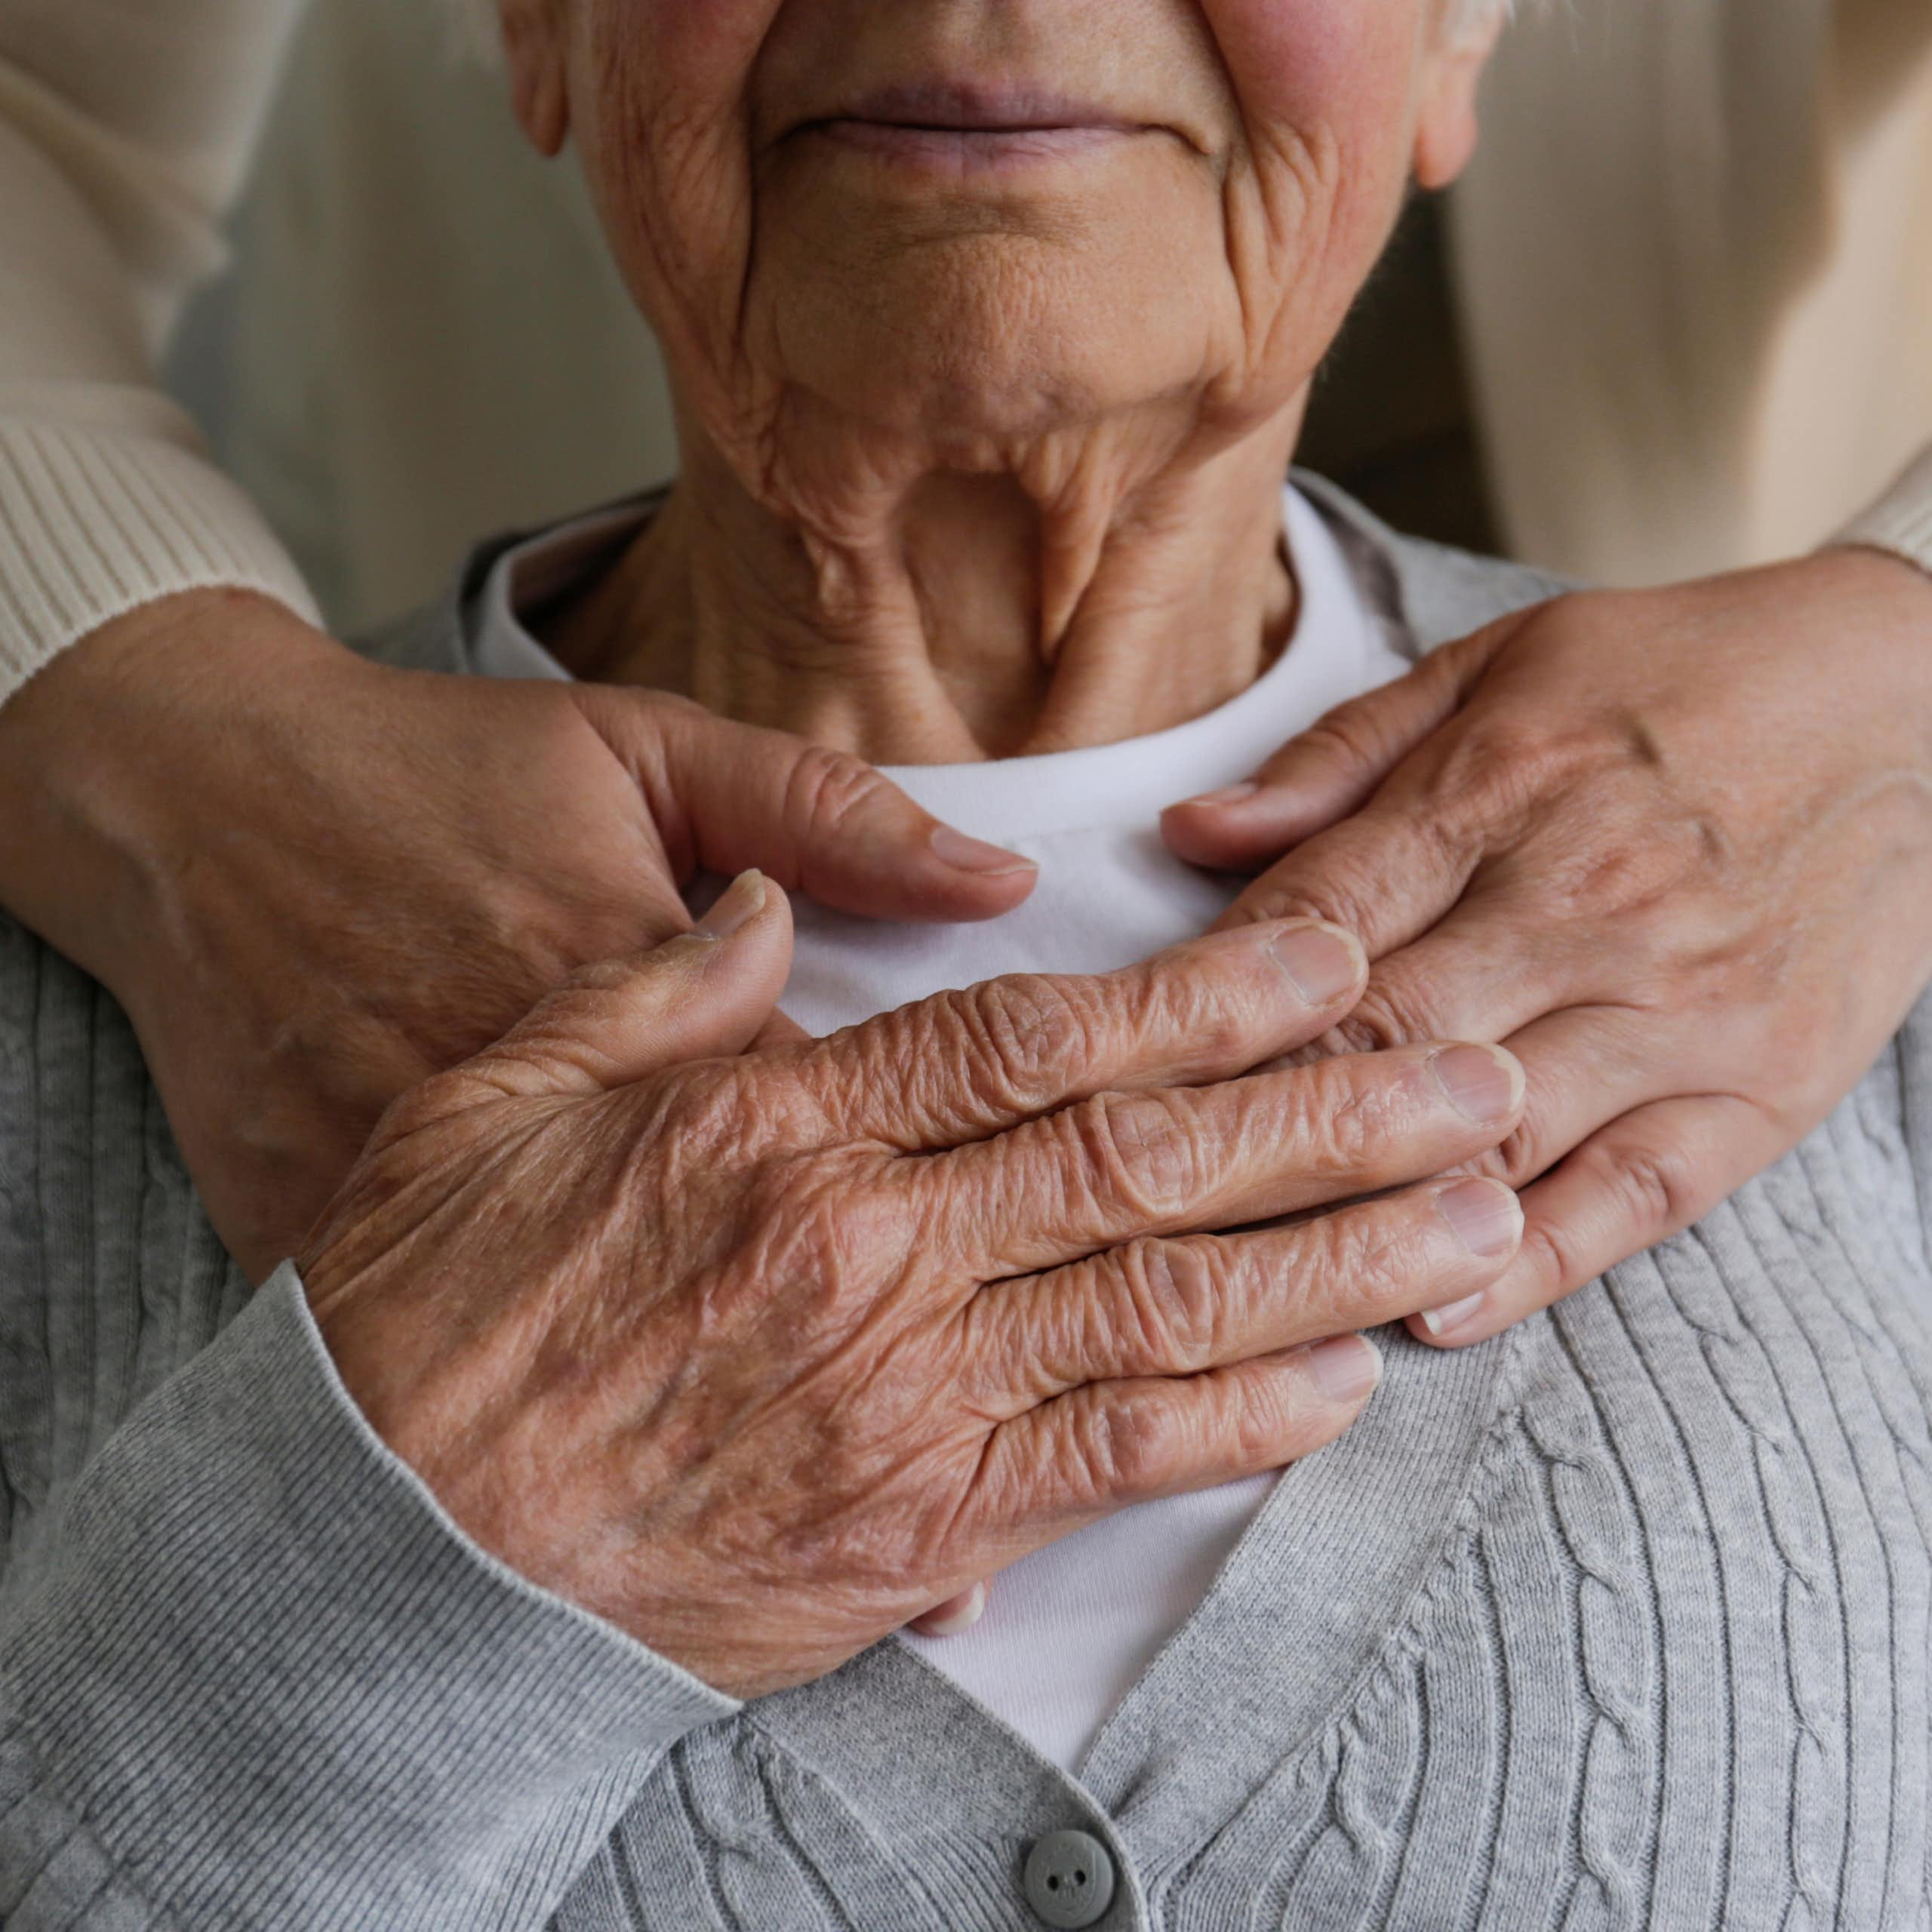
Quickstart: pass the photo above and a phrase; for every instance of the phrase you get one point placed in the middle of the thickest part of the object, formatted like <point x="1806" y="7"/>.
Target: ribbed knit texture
<point x="95" y="522"/>
<point x="125" y="133"/>
<point x="1620" y="1621"/>
<point x="246" y="1603"/>
<point x="1902" y="523"/>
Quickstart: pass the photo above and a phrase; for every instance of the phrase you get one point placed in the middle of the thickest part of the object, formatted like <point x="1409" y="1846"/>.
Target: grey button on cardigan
<point x="1622" y="1620"/>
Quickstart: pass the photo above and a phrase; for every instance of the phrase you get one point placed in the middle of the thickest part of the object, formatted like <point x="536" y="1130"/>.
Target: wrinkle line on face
<point x="1125" y="331"/>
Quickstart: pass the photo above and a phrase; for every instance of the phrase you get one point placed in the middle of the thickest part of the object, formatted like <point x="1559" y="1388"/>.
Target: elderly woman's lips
<point x="956" y="126"/>
<point x="966" y="148"/>
<point x="975" y="107"/>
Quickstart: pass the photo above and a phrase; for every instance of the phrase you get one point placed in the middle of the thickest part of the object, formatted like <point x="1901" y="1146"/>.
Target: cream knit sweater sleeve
<point x="125" y="131"/>
<point x="1902" y="523"/>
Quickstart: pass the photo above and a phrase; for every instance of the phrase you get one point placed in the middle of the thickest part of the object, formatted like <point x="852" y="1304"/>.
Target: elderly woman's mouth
<point x="954" y="128"/>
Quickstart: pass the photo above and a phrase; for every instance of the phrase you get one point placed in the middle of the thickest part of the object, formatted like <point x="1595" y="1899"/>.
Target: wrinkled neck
<point x="949" y="614"/>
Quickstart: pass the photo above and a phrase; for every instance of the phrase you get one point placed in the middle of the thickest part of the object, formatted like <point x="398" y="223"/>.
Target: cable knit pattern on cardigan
<point x="1619" y="1622"/>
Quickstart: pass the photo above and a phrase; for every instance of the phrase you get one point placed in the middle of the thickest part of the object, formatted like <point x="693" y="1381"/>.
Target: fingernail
<point x="1324" y="961"/>
<point x="972" y="1608"/>
<point x="1229" y="795"/>
<point x="1346" y="1369"/>
<point x="1441" y="1322"/>
<point x="1483" y="1084"/>
<point x="974" y="855"/>
<point x="1485" y="1214"/>
<point x="743" y="899"/>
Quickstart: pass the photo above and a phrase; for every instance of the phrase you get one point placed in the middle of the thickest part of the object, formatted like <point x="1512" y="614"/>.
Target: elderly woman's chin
<point x="981" y="223"/>
<point x="1002" y="302"/>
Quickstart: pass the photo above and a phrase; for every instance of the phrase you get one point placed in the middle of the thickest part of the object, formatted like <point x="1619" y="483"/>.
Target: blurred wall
<point x="1694" y="258"/>
<point x="422" y="341"/>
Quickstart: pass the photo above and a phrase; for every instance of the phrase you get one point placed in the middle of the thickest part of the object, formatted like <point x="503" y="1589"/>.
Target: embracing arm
<point x="1902" y="521"/>
<point x="125" y="133"/>
<point x="1673" y="846"/>
<point x="303" y="874"/>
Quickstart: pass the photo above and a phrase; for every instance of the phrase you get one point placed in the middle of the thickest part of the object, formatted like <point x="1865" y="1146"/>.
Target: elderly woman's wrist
<point x="106" y="758"/>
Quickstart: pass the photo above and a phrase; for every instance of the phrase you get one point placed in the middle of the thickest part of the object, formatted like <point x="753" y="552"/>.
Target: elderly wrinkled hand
<point x="1639" y="837"/>
<point x="759" y="1356"/>
<point x="313" y="881"/>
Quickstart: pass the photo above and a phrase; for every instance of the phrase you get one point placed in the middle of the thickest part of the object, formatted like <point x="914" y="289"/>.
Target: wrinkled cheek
<point x="709" y="46"/>
<point x="1326" y="90"/>
<point x="660" y="90"/>
<point x="1319" y="62"/>
<point x="1335" y="79"/>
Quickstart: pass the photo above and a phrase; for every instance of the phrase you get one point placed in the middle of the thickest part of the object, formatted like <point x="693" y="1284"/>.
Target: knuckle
<point x="1539" y="1140"/>
<point x="1209" y="1014"/>
<point x="1127" y="1444"/>
<point x="1138" y="1152"/>
<point x="1554" y="1258"/>
<point x="1020" y="1036"/>
<point x="1362" y="1264"/>
<point x="1623" y="874"/>
<point x="1521" y="1157"/>
<point x="1658" y="1184"/>
<point x="1495" y="777"/>
<point x="1336" y="897"/>
<point x="1504" y="758"/>
<point x="1337" y="1111"/>
<point x="1386" y="1016"/>
<point x="1275" y="1420"/>
<point x="1174" y="1294"/>
<point x="1350" y="737"/>
<point x="547" y="1054"/>
<point x="828" y="787"/>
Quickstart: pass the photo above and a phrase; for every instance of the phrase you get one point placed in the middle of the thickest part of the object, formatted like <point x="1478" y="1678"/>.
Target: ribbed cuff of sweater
<point x="98" y="518"/>
<point x="268" y="1682"/>
<point x="1901" y="523"/>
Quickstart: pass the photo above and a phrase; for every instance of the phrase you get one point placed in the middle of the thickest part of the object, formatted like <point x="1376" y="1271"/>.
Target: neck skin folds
<point x="917" y="607"/>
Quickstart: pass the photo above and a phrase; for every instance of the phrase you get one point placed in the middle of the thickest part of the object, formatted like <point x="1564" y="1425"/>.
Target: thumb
<point x="724" y="796"/>
<point x="706" y="992"/>
<point x="1334" y="769"/>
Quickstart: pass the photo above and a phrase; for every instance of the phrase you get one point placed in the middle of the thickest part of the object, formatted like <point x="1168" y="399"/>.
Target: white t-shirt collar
<point x="1337" y="649"/>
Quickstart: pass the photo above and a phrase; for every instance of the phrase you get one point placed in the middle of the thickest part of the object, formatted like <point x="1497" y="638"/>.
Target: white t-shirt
<point x="1068" y="1629"/>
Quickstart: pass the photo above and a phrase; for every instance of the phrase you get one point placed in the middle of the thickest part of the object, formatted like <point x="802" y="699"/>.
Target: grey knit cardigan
<point x="1621" y="1621"/>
